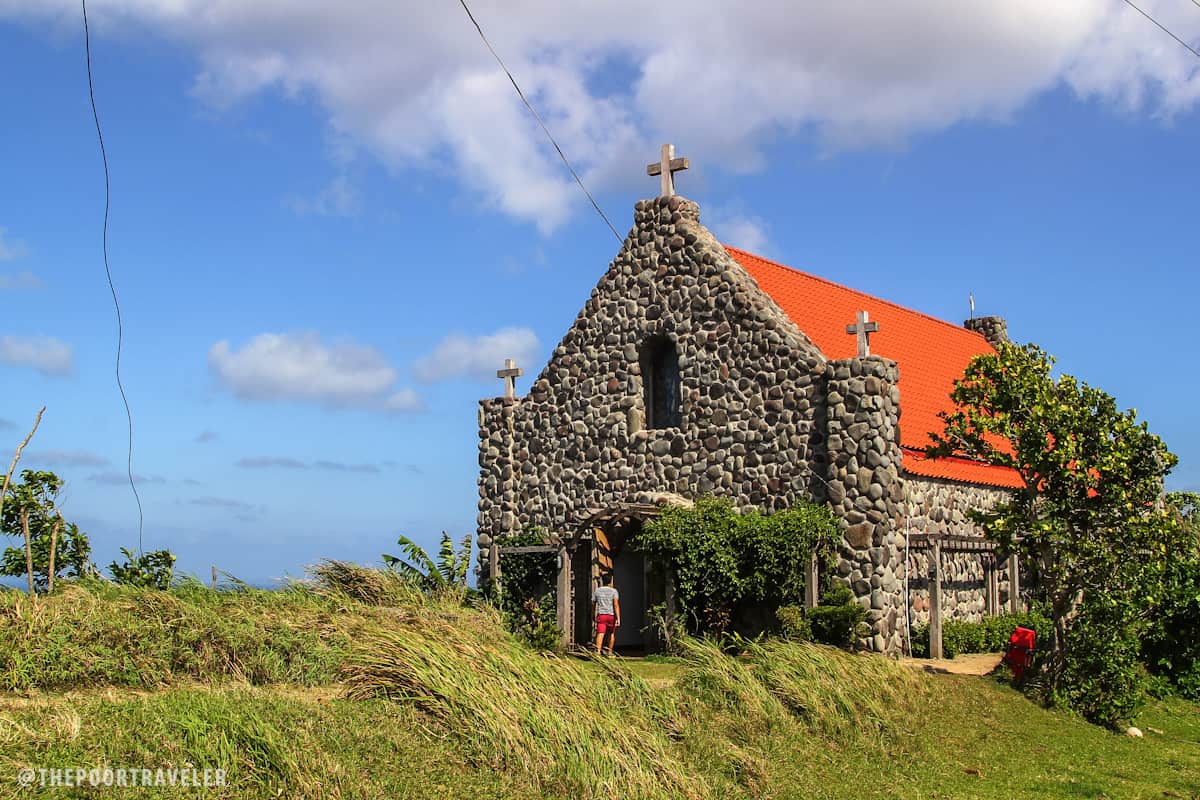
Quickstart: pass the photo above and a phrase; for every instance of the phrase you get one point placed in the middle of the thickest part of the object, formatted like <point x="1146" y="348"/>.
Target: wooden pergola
<point x="958" y="543"/>
<point x="595" y="527"/>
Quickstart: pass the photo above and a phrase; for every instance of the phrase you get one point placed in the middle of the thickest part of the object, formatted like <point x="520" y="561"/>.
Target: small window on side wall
<point x="660" y="383"/>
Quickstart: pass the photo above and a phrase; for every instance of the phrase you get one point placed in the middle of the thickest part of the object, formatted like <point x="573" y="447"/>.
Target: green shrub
<point x="152" y="570"/>
<point x="724" y="559"/>
<point x="794" y="624"/>
<point x="837" y="618"/>
<point x="1103" y="678"/>
<point x="1171" y="646"/>
<point x="989" y="635"/>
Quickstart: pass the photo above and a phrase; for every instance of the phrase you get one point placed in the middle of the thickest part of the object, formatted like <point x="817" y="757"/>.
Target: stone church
<point x="699" y="368"/>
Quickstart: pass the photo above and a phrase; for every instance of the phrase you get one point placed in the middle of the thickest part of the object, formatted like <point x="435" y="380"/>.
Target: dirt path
<point x="972" y="664"/>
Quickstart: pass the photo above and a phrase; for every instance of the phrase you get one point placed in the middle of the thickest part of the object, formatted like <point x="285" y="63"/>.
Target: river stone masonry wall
<point x="750" y="384"/>
<point x="942" y="507"/>
<point x="865" y="490"/>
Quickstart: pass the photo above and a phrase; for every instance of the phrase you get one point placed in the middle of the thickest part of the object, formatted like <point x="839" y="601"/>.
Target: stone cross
<point x="863" y="330"/>
<point x="510" y="373"/>
<point x="667" y="167"/>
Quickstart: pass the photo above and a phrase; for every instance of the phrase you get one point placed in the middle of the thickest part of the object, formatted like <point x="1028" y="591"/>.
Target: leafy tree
<point x="722" y="559"/>
<point x="447" y="573"/>
<point x="1085" y="516"/>
<point x="37" y="495"/>
<point x="1171" y="645"/>
<point x="152" y="570"/>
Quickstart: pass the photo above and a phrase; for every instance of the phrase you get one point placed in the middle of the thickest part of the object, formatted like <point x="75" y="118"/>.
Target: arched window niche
<point x="660" y="382"/>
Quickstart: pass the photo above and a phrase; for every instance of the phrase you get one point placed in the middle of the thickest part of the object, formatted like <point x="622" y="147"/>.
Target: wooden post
<point x="564" y="596"/>
<point x="214" y="577"/>
<point x="811" y="578"/>
<point x="494" y="565"/>
<point x="935" y="600"/>
<point x="1014" y="584"/>
<point x="993" y="584"/>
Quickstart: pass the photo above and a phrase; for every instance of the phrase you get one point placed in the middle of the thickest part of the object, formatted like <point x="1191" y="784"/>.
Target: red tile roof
<point x="931" y="353"/>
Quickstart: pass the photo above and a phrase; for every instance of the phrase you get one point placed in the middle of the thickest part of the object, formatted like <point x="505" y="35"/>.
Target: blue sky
<point x="330" y="224"/>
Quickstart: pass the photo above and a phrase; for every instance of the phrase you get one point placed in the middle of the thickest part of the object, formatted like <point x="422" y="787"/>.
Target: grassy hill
<point x="363" y="689"/>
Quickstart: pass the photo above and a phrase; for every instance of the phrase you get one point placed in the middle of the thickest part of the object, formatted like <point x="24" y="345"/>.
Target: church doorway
<point x="608" y="545"/>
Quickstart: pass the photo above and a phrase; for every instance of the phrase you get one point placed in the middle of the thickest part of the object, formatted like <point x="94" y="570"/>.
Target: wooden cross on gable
<point x="863" y="330"/>
<point x="510" y="373"/>
<point x="667" y="167"/>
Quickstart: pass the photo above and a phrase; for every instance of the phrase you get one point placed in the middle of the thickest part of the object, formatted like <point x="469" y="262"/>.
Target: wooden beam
<point x="811" y="577"/>
<point x="935" y="601"/>
<point x="564" y="597"/>
<point x="1014" y="584"/>
<point x="531" y="548"/>
<point x="494" y="566"/>
<point x="993" y="579"/>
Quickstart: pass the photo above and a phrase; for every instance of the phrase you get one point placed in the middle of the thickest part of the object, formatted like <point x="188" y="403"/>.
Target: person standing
<point x="606" y="608"/>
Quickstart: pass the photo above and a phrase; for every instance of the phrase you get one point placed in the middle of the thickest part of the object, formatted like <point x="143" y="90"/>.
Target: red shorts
<point x="605" y="623"/>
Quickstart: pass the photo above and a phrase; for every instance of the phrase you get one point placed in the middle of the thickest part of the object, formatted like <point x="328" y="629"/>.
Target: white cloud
<point x="300" y="367"/>
<point x="10" y="251"/>
<point x="19" y="280"/>
<point x="66" y="458"/>
<point x="340" y="466"/>
<point x="117" y="478"/>
<point x="739" y="230"/>
<point x="338" y="199"/>
<point x="45" y="354"/>
<point x="285" y="462"/>
<point x="417" y="88"/>
<point x="226" y="503"/>
<point x="270" y="462"/>
<point x="477" y="357"/>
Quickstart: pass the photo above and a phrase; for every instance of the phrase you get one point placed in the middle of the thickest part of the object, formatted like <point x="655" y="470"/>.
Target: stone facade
<point x="748" y="376"/>
<point x="938" y="506"/>
<point x="765" y="418"/>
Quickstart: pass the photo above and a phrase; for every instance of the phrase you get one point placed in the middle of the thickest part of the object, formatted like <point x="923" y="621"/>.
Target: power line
<point x="1164" y="28"/>
<point x="536" y="116"/>
<point x="87" y="44"/>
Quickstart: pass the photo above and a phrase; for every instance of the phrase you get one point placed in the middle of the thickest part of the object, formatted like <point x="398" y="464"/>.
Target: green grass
<point x="99" y="634"/>
<point x="433" y="700"/>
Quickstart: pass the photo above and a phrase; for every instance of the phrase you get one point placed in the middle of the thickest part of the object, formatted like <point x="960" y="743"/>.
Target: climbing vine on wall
<point x="722" y="559"/>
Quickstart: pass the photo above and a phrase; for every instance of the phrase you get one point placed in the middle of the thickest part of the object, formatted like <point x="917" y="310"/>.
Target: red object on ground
<point x="1019" y="653"/>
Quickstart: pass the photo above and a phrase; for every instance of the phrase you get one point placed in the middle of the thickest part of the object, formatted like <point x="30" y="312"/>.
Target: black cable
<point x="536" y="116"/>
<point x="108" y="272"/>
<point x="1163" y="28"/>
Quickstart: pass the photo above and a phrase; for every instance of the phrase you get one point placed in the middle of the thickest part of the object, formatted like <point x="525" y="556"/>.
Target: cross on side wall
<point x="667" y="166"/>
<point x="510" y="373"/>
<point x="863" y="330"/>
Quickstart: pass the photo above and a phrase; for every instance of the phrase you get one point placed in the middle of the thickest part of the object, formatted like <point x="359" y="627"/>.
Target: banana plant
<point x="447" y="573"/>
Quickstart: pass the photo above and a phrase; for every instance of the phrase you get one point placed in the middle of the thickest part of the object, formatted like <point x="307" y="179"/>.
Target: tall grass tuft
<point x="826" y="690"/>
<point x="99" y="634"/>
<point x="373" y="587"/>
<point x="576" y="730"/>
